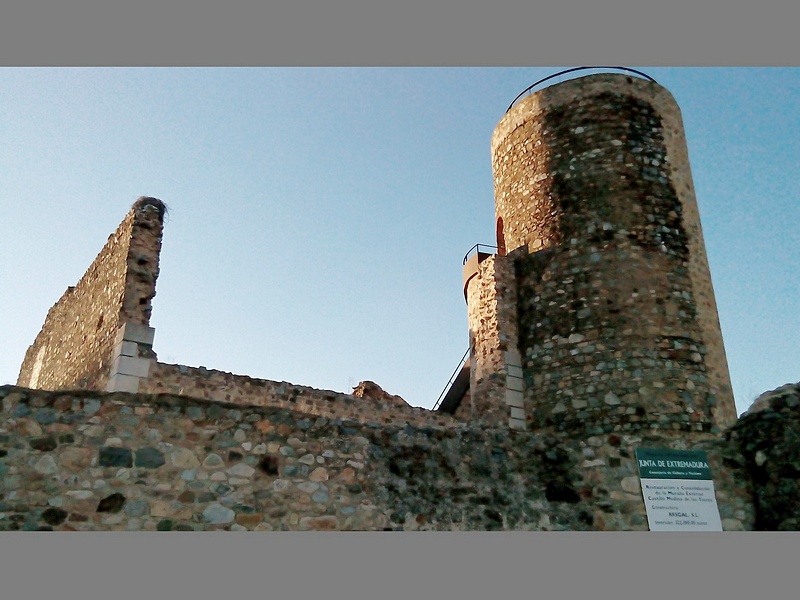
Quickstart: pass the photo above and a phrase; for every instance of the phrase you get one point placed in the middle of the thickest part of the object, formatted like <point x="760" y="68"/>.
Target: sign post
<point x="678" y="490"/>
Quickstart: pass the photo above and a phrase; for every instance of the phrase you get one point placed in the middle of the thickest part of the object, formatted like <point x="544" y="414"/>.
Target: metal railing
<point x="476" y="248"/>
<point x="452" y="380"/>
<point x="529" y="89"/>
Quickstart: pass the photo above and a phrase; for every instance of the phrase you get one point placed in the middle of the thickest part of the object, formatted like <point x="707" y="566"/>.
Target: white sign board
<point x="678" y="490"/>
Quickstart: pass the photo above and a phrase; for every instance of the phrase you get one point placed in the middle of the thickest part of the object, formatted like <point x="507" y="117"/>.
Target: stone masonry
<point x="495" y="367"/>
<point x="616" y="322"/>
<point x="593" y="332"/>
<point x="78" y="345"/>
<point x="87" y="460"/>
<point x="219" y="386"/>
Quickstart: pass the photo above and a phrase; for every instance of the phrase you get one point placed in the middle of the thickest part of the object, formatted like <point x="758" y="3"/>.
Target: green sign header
<point x="672" y="464"/>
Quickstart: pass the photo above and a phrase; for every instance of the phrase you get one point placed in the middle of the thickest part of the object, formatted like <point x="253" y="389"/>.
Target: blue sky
<point x="318" y="216"/>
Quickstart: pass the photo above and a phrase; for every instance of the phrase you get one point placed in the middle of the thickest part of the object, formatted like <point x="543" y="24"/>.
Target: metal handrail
<point x="476" y="247"/>
<point x="529" y="88"/>
<point x="452" y="379"/>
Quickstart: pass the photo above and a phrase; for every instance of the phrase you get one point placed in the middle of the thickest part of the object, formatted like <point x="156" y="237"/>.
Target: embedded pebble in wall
<point x="216" y="514"/>
<point x="183" y="458"/>
<point x="319" y="474"/>
<point x="213" y="461"/>
<point x="307" y="459"/>
<point x="308" y="487"/>
<point x="149" y="458"/>
<point x="280" y="485"/>
<point x="241" y="470"/>
<point x="46" y="465"/>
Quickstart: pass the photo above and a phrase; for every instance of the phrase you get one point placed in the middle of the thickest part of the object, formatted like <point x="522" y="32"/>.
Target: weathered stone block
<point x="123" y="383"/>
<point x="216" y="514"/>
<point x="127" y="349"/>
<point x="115" y="457"/>
<point x="44" y="444"/>
<point x="135" y="332"/>
<point x="514" y="383"/>
<point x="129" y="365"/>
<point x="149" y="458"/>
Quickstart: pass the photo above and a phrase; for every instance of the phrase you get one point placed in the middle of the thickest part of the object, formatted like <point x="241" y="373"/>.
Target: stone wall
<point x="85" y="460"/>
<point x="593" y="332"/>
<point x="496" y="388"/>
<point x="618" y="329"/>
<point x="769" y="437"/>
<point x="75" y="348"/>
<point x="219" y="386"/>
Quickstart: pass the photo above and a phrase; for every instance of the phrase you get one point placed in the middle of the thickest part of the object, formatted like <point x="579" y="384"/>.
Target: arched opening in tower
<point x="501" y="239"/>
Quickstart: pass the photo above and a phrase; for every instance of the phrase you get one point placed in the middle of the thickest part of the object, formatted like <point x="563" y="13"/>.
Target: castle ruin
<point x="593" y="333"/>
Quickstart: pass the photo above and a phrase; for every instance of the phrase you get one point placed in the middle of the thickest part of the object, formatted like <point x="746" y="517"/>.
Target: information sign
<point x="678" y="490"/>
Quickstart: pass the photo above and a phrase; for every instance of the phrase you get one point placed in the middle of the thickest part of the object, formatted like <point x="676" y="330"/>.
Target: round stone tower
<point x="616" y="322"/>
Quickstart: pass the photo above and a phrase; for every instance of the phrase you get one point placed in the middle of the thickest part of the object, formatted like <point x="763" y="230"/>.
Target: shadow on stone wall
<point x="86" y="460"/>
<point x="768" y="436"/>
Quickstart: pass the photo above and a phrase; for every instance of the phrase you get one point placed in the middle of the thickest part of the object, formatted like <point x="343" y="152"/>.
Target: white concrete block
<point x="128" y="365"/>
<point x="517" y="413"/>
<point x="512" y="358"/>
<point x="514" y="383"/>
<point x="514" y="371"/>
<point x="123" y="383"/>
<point x="514" y="398"/>
<point x="128" y="349"/>
<point x="517" y="424"/>
<point x="133" y="332"/>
